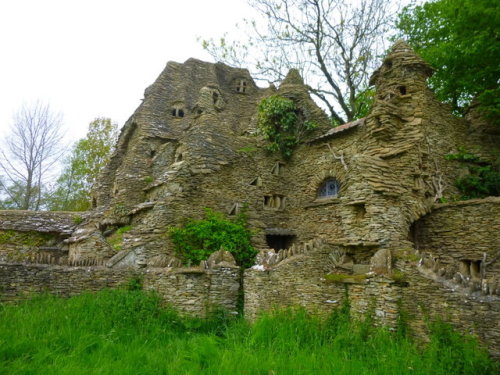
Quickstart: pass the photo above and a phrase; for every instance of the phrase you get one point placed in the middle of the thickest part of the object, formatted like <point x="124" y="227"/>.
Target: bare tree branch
<point x="334" y="43"/>
<point x="30" y="151"/>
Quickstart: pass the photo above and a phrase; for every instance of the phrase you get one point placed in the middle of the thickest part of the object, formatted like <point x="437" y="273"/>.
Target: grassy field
<point x="129" y="332"/>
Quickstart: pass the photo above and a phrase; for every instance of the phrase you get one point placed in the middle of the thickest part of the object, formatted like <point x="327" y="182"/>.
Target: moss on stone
<point x="116" y="239"/>
<point x="29" y="239"/>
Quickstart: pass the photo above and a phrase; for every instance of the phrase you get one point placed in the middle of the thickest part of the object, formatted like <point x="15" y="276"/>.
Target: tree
<point x="30" y="150"/>
<point x="460" y="38"/>
<point x="334" y="43"/>
<point x="89" y="155"/>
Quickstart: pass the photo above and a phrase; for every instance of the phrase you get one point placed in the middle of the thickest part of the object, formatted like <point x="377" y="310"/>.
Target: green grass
<point x="129" y="332"/>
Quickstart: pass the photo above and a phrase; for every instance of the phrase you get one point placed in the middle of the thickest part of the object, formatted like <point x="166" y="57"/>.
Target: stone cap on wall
<point x="40" y="221"/>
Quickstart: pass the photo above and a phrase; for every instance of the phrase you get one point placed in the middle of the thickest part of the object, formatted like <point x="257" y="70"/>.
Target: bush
<point x="483" y="180"/>
<point x="197" y="239"/>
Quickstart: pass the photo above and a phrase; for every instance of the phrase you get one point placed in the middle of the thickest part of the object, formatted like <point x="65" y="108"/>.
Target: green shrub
<point x="483" y="180"/>
<point x="282" y="123"/>
<point x="197" y="239"/>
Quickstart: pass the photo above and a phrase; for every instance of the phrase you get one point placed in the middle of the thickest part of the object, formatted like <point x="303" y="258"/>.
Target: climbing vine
<point x="282" y="123"/>
<point x="197" y="239"/>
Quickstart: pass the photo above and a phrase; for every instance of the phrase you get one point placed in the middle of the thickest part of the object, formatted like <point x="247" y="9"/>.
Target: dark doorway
<point x="278" y="242"/>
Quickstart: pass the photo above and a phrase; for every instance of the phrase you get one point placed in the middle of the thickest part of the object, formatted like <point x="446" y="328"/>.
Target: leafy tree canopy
<point x="88" y="157"/>
<point x="460" y="38"/>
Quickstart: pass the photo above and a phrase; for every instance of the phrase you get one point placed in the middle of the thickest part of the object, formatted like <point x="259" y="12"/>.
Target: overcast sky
<point x="91" y="58"/>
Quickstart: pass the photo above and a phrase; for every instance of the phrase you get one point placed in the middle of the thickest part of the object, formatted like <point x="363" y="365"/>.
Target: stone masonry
<point x="354" y="213"/>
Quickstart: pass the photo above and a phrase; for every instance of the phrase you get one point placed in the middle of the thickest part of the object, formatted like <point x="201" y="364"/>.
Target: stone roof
<point x="340" y="129"/>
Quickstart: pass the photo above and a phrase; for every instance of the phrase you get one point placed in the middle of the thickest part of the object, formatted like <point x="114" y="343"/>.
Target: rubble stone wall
<point x="192" y="291"/>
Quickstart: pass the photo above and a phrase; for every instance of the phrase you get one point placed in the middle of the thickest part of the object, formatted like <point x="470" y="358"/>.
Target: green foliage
<point x="197" y="239"/>
<point x="460" y="40"/>
<point x="135" y="283"/>
<point x="248" y="150"/>
<point x="88" y="158"/>
<point x="148" y="179"/>
<point x="29" y="239"/>
<point x="483" y="179"/>
<point x="282" y="123"/>
<point x="455" y="352"/>
<point x="77" y="219"/>
<point x="116" y="239"/>
<point x="398" y="276"/>
<point x="129" y="332"/>
<point x="364" y="101"/>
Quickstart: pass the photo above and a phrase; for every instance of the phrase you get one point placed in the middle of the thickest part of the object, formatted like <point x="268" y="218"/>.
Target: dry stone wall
<point x="352" y="202"/>
<point x="192" y="291"/>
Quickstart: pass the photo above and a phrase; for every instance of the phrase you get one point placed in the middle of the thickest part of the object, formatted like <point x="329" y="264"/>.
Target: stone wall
<point x="40" y="221"/>
<point x="193" y="291"/>
<point x="426" y="299"/>
<point x="298" y="281"/>
<point x="461" y="230"/>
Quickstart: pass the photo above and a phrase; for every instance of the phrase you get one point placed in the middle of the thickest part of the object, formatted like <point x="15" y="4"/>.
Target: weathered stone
<point x="221" y="258"/>
<point x="194" y="143"/>
<point x="381" y="262"/>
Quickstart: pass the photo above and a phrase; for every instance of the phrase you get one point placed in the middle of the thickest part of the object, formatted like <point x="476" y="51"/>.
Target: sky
<point x="94" y="58"/>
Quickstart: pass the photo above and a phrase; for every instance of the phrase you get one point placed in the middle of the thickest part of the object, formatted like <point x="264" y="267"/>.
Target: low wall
<point x="296" y="281"/>
<point x="40" y="221"/>
<point x="461" y="230"/>
<point x="192" y="291"/>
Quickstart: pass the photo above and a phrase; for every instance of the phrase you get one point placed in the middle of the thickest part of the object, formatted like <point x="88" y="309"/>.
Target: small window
<point x="278" y="169"/>
<point x="257" y="181"/>
<point x="177" y="111"/>
<point x="329" y="189"/>
<point x="275" y="202"/>
<point x="241" y="86"/>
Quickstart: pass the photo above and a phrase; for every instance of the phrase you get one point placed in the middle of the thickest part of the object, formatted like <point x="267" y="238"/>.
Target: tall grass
<point x="129" y="332"/>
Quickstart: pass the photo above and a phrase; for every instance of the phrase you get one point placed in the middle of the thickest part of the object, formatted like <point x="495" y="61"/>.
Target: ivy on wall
<point x="282" y="124"/>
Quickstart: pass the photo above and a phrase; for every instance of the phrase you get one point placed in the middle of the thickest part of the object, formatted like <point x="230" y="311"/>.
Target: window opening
<point x="257" y="181"/>
<point x="235" y="209"/>
<point x="276" y="202"/>
<point x="471" y="268"/>
<point x="241" y="86"/>
<point x="177" y="111"/>
<point x="329" y="189"/>
<point x="278" y="169"/>
<point x="359" y="211"/>
<point x="279" y="242"/>
<point x="402" y="90"/>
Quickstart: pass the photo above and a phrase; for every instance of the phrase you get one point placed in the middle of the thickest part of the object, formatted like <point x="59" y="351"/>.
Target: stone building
<point x="356" y="208"/>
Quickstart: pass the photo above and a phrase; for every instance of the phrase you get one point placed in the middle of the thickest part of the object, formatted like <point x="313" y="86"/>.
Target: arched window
<point x="329" y="188"/>
<point x="177" y="110"/>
